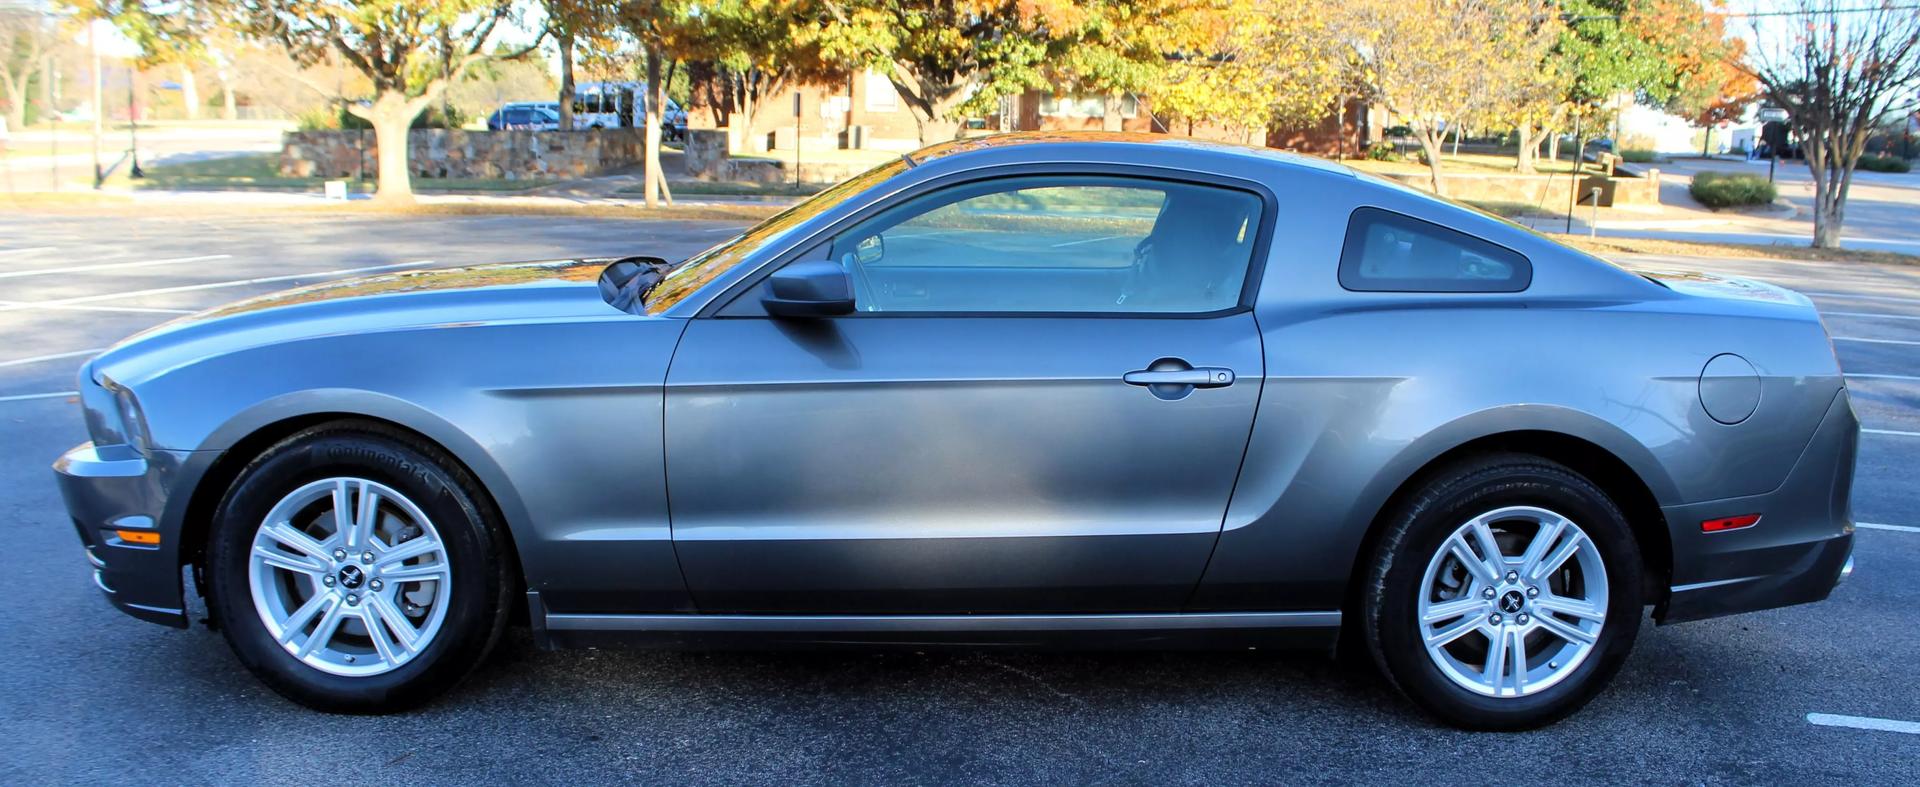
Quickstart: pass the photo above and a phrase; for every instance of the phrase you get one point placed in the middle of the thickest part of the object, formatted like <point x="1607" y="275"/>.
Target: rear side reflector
<point x="1729" y="523"/>
<point x="146" y="537"/>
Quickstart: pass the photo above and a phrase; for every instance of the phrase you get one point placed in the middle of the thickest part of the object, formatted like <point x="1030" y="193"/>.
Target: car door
<point x="1040" y="404"/>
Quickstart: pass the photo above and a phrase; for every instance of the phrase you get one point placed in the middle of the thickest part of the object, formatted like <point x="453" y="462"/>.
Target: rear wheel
<point x="1504" y="594"/>
<point x="355" y="568"/>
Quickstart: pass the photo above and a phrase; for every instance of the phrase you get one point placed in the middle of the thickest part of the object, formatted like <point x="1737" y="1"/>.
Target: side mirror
<point x="817" y="288"/>
<point x="625" y="283"/>
<point x="870" y="249"/>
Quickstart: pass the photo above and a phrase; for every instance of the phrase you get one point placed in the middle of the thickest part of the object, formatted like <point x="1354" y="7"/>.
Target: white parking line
<point x="1089" y="240"/>
<point x="1895" y="299"/>
<point x="1894" y="432"/>
<point x="26" y="397"/>
<point x="5" y="252"/>
<point x="1864" y="723"/>
<point x="134" y="309"/>
<point x="113" y="265"/>
<point x="1908" y="377"/>
<point x="1874" y="315"/>
<point x="16" y="305"/>
<point x="1874" y="341"/>
<point x="53" y="357"/>
<point x="1894" y="528"/>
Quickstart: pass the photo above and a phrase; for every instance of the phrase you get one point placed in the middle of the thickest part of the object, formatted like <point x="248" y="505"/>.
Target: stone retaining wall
<point x="1546" y="190"/>
<point x="457" y="153"/>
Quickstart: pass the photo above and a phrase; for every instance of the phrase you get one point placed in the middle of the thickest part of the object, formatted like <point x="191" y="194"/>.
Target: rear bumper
<point x="1798" y="551"/>
<point x="110" y="491"/>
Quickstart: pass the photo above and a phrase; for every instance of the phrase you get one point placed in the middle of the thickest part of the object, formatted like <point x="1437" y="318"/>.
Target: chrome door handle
<point x="1203" y="377"/>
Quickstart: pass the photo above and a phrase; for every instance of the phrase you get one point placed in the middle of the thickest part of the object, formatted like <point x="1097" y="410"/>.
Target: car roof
<point x="1040" y="142"/>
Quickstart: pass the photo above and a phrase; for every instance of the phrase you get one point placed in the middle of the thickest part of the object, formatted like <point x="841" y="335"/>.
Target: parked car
<point x="522" y="116"/>
<point x="1042" y="389"/>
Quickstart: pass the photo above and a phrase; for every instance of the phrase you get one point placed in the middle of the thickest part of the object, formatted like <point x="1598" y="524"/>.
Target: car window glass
<point x="1054" y="244"/>
<point x="1389" y="252"/>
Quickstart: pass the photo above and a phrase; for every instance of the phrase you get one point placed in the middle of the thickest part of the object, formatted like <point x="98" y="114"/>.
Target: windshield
<point x="688" y="277"/>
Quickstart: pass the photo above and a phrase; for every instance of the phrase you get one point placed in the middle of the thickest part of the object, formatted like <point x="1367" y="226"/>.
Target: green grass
<point x="261" y="171"/>
<point x="1731" y="189"/>
<point x="1465" y="164"/>
<point x="705" y="188"/>
<point x="1635" y="156"/>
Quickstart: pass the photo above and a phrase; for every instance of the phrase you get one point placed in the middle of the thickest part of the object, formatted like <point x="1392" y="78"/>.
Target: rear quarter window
<point x="1392" y="252"/>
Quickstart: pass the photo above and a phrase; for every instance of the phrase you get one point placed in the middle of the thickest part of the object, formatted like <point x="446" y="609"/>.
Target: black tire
<point x="476" y="546"/>
<point x="1418" y="528"/>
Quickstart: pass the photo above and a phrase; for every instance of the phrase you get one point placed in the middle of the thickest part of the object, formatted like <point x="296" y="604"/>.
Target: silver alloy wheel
<point x="1529" y="585"/>
<point x="349" y="576"/>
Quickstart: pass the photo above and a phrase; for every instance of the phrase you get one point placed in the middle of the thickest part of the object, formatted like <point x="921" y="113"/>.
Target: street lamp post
<point x="133" y="126"/>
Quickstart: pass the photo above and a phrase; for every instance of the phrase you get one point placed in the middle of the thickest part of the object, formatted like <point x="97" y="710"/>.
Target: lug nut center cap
<point x="351" y="577"/>
<point x="1510" y="603"/>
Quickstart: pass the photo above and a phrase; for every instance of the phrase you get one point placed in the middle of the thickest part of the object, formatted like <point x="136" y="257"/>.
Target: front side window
<point x="1389" y="252"/>
<point x="1056" y="244"/>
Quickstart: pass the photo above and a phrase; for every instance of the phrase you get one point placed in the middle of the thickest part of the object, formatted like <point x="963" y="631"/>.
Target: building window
<point x="880" y="94"/>
<point x="1080" y="105"/>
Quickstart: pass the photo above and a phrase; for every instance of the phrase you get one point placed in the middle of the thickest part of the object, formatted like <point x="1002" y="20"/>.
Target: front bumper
<point x="117" y="489"/>
<point x="1799" y="550"/>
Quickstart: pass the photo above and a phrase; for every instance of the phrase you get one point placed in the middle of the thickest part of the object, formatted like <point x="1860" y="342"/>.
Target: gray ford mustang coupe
<point x="1051" y="390"/>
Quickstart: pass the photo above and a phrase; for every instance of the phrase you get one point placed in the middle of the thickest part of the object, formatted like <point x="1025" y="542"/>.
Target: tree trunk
<point x="1110" y="120"/>
<point x="565" y="42"/>
<point x="1524" y="153"/>
<point x="16" y="97"/>
<point x="655" y="180"/>
<point x="391" y="116"/>
<point x="1553" y="145"/>
<point x="189" y="91"/>
<point x="228" y="110"/>
<point x="1431" y="142"/>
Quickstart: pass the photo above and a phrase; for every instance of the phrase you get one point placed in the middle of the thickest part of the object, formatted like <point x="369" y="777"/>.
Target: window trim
<point x="1258" y="260"/>
<point x="1354" y="243"/>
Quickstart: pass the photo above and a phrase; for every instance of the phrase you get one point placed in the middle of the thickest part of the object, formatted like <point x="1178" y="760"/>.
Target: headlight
<point x="113" y="413"/>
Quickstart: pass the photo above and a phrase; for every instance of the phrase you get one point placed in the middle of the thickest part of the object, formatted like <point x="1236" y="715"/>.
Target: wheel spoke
<point x="1570" y="606"/>
<point x="286" y="535"/>
<point x="1543" y="540"/>
<point x="343" y="513"/>
<point x="1558" y="557"/>
<point x="383" y="642"/>
<point x="323" y="633"/>
<point x="1564" y="630"/>
<point x="1490" y="547"/>
<point x="407" y="637"/>
<point x="1494" y="671"/>
<point x="1441" y="637"/>
<point x="1471" y="562"/>
<point x="366" y="518"/>
<point x="297" y="622"/>
<point x="1517" y="650"/>
<point x="298" y="564"/>
<point x="420" y="545"/>
<point x="1447" y="610"/>
<point x="426" y="572"/>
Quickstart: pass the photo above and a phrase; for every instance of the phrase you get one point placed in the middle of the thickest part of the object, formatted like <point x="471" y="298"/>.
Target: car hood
<point x="541" y="291"/>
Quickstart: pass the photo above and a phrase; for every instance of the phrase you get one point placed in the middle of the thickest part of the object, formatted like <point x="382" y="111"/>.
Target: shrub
<point x="1885" y="164"/>
<point x="1399" y="131"/>
<point x="1729" y="189"/>
<point x="1637" y="155"/>
<point x="1383" y="151"/>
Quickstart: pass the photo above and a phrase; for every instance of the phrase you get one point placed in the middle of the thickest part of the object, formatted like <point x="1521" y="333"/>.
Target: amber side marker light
<point x="146" y="537"/>
<point x="1729" y="523"/>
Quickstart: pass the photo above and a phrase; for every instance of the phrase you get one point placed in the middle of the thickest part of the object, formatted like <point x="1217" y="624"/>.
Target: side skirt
<point x="1174" y="630"/>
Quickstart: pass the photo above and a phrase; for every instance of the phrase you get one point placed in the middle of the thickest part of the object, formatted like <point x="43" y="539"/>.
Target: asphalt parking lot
<point x="90" y="695"/>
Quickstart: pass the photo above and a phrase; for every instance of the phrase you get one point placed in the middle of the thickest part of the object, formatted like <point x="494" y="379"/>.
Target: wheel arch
<point x="244" y="437"/>
<point x="1637" y="495"/>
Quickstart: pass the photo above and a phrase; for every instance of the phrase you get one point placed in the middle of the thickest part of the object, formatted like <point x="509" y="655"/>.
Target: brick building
<point x="865" y="111"/>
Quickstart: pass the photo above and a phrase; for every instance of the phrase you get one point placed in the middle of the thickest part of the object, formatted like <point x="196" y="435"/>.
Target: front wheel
<point x="355" y="568"/>
<point x="1504" y="594"/>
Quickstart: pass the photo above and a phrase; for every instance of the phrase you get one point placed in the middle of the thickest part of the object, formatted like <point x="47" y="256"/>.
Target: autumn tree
<point x="1113" y="48"/>
<point x="1837" y="72"/>
<point x="573" y="24"/>
<point x="410" y="51"/>
<point x="1415" y="58"/>
<point x="944" y="58"/>
<point x="26" y="35"/>
<point x="1257" y="64"/>
<point x="757" y="49"/>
